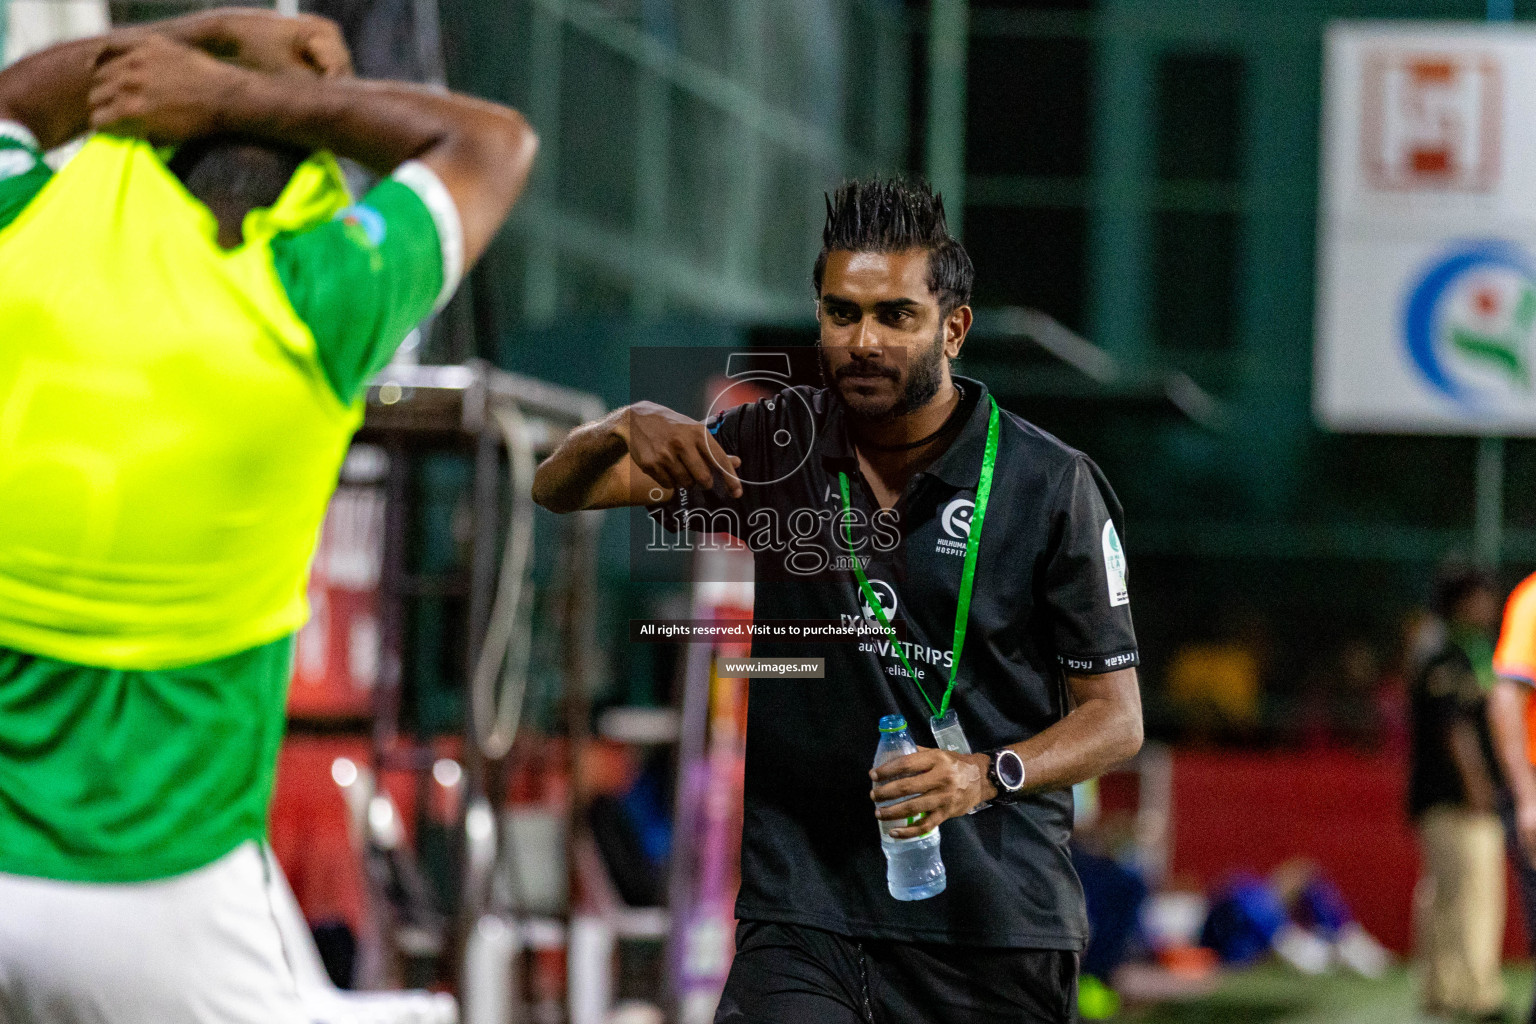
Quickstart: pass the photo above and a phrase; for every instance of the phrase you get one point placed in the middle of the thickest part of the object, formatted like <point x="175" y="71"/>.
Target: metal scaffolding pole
<point x="541" y="280"/>
<point x="1488" y="532"/>
<point x="1488" y="525"/>
<point x="949" y="24"/>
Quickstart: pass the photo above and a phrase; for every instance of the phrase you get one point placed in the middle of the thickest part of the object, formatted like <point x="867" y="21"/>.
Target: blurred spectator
<point x="1342" y="705"/>
<point x="1423" y="638"/>
<point x="1216" y="686"/>
<point x="1297" y="914"/>
<point x="1114" y="892"/>
<point x="1392" y="690"/>
<point x="1459" y="903"/>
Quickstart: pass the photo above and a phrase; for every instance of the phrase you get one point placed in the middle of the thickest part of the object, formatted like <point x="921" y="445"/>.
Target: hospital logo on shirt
<point x="956" y="522"/>
<point x="364" y="225"/>
<point x="1114" y="567"/>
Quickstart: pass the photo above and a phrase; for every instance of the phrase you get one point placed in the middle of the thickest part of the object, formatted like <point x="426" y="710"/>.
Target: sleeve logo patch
<point x="1114" y="567"/>
<point x="15" y="162"/>
<point x="364" y="224"/>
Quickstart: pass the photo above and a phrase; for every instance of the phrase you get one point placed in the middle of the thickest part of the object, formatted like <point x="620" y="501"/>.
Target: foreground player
<point x="182" y="352"/>
<point x="1512" y="713"/>
<point x="1045" y="675"/>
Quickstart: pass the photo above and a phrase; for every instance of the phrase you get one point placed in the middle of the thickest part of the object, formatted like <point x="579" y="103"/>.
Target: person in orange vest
<point x="1512" y="715"/>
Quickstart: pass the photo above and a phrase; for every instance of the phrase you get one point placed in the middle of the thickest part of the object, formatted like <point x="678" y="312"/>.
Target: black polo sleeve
<point x="712" y="509"/>
<point x="1084" y="594"/>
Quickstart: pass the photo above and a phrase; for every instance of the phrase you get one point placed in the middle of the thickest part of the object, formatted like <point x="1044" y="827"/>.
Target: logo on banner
<point x="1431" y="121"/>
<point x="1468" y="323"/>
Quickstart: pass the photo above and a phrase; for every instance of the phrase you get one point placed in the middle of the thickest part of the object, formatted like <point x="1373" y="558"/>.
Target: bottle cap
<point x="892" y="723"/>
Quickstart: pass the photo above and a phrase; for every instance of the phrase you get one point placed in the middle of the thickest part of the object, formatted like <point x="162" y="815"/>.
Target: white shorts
<point x="198" y="948"/>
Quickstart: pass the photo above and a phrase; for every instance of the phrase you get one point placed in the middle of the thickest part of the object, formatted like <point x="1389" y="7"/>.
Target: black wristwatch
<point x="1005" y="770"/>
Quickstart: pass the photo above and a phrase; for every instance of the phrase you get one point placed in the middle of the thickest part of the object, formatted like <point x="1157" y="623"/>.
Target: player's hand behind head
<point x="160" y="90"/>
<point x="274" y="44"/>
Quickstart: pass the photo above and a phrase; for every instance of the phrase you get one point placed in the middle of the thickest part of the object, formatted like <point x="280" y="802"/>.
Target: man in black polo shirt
<point x="890" y="468"/>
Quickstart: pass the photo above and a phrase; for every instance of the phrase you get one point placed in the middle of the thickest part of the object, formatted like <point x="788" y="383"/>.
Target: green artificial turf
<point x="1276" y="995"/>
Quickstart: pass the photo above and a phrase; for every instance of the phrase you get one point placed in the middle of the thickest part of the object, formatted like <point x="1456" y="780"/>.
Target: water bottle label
<point x="887" y="826"/>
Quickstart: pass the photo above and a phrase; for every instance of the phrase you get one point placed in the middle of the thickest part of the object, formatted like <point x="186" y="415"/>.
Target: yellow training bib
<point x="168" y="439"/>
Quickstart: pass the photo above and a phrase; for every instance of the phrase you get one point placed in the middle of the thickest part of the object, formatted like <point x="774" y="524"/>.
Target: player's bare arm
<point x="168" y="92"/>
<point x="47" y="91"/>
<point x="637" y="455"/>
<point x="1103" y="729"/>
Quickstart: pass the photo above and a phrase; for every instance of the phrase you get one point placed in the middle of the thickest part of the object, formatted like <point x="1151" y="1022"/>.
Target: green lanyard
<point x="967" y="571"/>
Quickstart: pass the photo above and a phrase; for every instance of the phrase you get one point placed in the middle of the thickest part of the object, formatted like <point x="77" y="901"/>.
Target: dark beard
<point x="925" y="375"/>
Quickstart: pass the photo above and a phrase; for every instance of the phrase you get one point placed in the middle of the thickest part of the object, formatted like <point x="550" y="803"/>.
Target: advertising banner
<point x="1427" y="236"/>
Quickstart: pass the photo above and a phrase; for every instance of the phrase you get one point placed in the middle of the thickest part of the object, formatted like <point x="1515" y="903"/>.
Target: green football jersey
<point x="115" y="775"/>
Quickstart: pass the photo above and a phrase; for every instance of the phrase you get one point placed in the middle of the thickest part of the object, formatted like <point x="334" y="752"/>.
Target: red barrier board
<point x="1345" y="811"/>
<point x="336" y="659"/>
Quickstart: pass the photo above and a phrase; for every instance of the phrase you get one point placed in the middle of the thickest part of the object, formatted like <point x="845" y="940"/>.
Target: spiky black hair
<point x="890" y="215"/>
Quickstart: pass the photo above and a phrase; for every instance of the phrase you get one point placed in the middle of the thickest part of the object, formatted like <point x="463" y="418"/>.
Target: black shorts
<point x="791" y="974"/>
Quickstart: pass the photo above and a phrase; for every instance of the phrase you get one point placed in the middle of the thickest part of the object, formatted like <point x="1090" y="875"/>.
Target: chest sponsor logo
<point x="1114" y="567"/>
<point x="885" y="594"/>
<point x="886" y="648"/>
<point x="956" y="523"/>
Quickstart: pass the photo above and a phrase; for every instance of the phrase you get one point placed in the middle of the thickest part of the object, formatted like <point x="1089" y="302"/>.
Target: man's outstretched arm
<point x="46" y="92"/>
<point x="168" y="92"/>
<point x="637" y="455"/>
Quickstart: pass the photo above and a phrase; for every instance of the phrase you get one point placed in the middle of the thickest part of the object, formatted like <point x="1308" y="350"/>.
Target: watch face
<point x="1010" y="770"/>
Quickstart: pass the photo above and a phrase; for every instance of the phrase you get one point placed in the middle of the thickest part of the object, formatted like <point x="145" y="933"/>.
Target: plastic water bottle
<point x="913" y="868"/>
